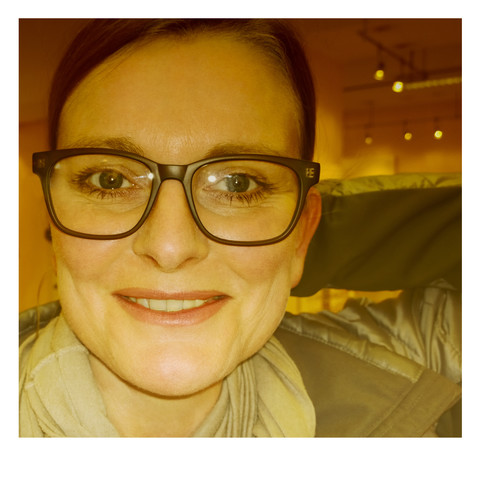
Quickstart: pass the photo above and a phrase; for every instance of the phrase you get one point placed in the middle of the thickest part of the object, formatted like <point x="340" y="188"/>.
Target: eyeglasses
<point x="100" y="193"/>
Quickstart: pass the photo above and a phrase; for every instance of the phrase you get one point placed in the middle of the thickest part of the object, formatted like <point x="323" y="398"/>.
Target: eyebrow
<point x="126" y="144"/>
<point x="224" y="149"/>
<point x="116" y="143"/>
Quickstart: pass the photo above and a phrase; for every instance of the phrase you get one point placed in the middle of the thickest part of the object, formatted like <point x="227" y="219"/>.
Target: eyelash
<point x="247" y="197"/>
<point x="80" y="180"/>
<point x="243" y="197"/>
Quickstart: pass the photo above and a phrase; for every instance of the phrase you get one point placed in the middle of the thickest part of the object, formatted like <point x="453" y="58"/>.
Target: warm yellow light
<point x="368" y="140"/>
<point x="438" y="82"/>
<point x="379" y="74"/>
<point x="438" y="134"/>
<point x="397" y="86"/>
<point x="408" y="136"/>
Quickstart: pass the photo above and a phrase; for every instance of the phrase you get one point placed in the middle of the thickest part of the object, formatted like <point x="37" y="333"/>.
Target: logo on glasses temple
<point x="41" y="162"/>
<point x="310" y="172"/>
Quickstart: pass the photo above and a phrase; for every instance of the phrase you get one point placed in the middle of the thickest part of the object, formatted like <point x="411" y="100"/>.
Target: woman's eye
<point x="109" y="180"/>
<point x="237" y="183"/>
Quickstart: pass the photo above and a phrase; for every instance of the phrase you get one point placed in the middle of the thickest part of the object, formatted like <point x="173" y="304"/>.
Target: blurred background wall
<point x="362" y="122"/>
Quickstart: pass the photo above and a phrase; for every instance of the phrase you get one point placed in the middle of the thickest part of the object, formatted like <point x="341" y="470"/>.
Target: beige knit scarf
<point x="262" y="397"/>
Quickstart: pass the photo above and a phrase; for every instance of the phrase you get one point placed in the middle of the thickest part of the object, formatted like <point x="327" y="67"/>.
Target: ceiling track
<point x="455" y="71"/>
<point x="403" y="61"/>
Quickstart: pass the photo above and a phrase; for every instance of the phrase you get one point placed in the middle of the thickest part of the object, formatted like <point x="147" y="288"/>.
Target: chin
<point x="174" y="375"/>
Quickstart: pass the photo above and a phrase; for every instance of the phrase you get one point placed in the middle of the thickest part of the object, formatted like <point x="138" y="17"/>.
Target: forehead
<point x="186" y="85"/>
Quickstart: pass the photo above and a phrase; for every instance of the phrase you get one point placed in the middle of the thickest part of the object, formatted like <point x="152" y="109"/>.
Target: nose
<point x="170" y="237"/>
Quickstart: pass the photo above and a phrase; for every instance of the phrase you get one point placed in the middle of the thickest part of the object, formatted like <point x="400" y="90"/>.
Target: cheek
<point x="265" y="274"/>
<point x="83" y="259"/>
<point x="263" y="267"/>
<point x="86" y="271"/>
<point x="268" y="267"/>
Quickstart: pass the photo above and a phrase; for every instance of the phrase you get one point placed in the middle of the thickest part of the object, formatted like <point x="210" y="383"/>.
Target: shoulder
<point x="33" y="319"/>
<point x="360" y="388"/>
<point x="331" y="332"/>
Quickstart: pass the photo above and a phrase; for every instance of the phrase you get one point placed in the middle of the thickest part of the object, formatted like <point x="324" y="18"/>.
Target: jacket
<point x="391" y="369"/>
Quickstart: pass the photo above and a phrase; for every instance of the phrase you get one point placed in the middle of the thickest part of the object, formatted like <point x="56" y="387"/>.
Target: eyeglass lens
<point x="237" y="200"/>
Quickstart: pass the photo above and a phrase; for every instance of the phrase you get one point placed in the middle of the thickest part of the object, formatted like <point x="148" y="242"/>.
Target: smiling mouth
<point x="173" y="305"/>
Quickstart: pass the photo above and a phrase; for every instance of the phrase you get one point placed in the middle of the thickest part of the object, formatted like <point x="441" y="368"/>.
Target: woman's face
<point x="179" y="102"/>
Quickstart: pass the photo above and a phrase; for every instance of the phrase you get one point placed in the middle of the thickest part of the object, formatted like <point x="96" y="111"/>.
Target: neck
<point x="136" y="413"/>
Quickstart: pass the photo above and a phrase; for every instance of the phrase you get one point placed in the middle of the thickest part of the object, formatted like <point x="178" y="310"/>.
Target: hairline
<point x="276" y="63"/>
<point x="275" y="39"/>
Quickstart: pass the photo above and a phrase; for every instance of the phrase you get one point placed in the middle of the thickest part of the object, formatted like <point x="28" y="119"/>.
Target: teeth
<point x="143" y="302"/>
<point x="168" y="305"/>
<point x="174" y="305"/>
<point x="157" y="305"/>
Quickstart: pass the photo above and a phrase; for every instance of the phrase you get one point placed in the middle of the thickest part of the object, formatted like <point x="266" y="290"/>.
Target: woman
<point x="171" y="293"/>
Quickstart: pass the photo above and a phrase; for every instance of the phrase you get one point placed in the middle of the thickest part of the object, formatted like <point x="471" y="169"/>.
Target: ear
<point x="305" y="230"/>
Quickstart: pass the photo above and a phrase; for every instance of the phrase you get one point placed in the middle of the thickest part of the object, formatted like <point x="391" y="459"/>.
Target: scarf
<point x="263" y="397"/>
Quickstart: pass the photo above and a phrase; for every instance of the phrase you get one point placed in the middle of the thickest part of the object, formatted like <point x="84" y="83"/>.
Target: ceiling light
<point x="379" y="72"/>
<point x="407" y="134"/>
<point x="438" y="134"/>
<point x="397" y="86"/>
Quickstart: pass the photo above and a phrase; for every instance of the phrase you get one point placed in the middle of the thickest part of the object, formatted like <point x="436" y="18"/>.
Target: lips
<point x="172" y="305"/>
<point x="185" y="308"/>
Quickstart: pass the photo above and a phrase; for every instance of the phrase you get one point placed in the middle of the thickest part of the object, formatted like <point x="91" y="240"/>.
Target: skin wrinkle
<point x="174" y="374"/>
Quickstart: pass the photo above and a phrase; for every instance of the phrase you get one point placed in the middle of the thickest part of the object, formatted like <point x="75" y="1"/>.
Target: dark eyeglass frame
<point x="307" y="172"/>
